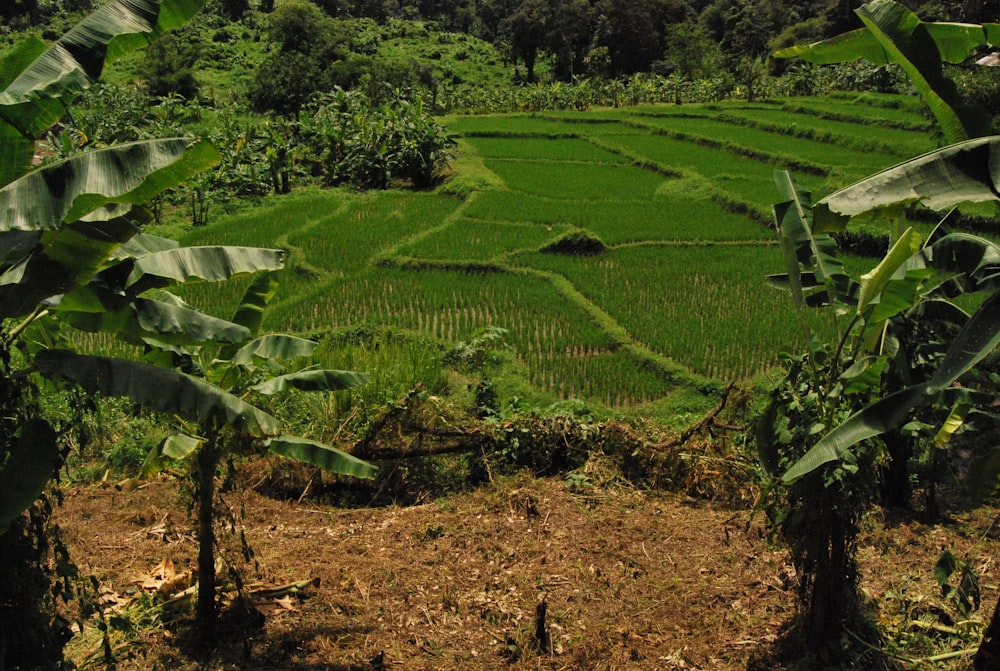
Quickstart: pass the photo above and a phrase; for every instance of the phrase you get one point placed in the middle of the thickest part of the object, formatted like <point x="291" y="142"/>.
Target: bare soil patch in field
<point x="629" y="579"/>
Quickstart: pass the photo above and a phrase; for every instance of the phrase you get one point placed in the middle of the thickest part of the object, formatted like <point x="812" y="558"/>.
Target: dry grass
<point x="631" y="579"/>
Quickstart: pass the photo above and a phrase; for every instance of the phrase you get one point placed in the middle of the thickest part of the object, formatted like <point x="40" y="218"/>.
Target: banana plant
<point x="257" y="365"/>
<point x="965" y="172"/>
<point x="73" y="258"/>
<point x="894" y="34"/>
<point x="901" y="342"/>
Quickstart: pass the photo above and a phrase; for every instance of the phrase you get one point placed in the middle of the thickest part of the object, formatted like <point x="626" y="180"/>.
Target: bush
<point x="352" y="141"/>
<point x="576" y="243"/>
<point x="168" y="67"/>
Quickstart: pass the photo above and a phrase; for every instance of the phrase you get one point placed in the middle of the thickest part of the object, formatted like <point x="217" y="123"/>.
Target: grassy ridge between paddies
<point x="674" y="304"/>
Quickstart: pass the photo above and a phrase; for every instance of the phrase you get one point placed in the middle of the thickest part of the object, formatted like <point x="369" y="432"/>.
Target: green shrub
<point x="576" y="243"/>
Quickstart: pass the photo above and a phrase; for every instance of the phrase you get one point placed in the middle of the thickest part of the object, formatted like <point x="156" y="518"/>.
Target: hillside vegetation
<point x="527" y="253"/>
<point x="622" y="251"/>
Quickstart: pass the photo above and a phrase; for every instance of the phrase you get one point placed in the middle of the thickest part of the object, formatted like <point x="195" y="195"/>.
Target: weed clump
<point x="576" y="243"/>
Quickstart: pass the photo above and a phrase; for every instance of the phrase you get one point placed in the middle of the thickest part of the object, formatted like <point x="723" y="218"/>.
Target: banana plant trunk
<point x="207" y="461"/>
<point x="988" y="656"/>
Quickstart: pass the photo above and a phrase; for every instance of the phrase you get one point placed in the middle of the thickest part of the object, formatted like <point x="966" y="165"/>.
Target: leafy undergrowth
<point x="630" y="578"/>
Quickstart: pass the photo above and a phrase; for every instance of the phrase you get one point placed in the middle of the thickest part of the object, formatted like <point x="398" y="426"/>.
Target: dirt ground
<point x="629" y="579"/>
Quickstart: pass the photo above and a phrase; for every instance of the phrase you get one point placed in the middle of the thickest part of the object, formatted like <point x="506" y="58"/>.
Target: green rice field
<point x="679" y="197"/>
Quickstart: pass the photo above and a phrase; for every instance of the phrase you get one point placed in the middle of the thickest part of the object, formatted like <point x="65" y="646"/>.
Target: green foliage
<point x="894" y="34"/>
<point x="575" y="243"/>
<point x="371" y="146"/>
<point x="168" y="67"/>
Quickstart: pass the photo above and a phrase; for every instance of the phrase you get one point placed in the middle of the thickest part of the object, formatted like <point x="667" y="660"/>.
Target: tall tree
<point x="526" y="29"/>
<point x="632" y="32"/>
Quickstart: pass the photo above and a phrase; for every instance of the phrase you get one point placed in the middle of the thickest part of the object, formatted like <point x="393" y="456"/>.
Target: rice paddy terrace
<point x="624" y="250"/>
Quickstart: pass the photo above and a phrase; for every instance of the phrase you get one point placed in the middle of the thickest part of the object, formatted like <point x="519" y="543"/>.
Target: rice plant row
<point x="577" y="181"/>
<point x="563" y="348"/>
<point x="481" y="240"/>
<point x="706" y="306"/>
<point x="817" y="152"/>
<point x="682" y="210"/>
<point x="902" y="143"/>
<point x="748" y="179"/>
<point x="544" y="149"/>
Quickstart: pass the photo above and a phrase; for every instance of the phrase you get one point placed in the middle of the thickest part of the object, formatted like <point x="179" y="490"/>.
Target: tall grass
<point x="706" y="307"/>
<point x="472" y="240"/>
<point x="567" y="149"/>
<point x="678" y="213"/>
<point x="577" y="181"/>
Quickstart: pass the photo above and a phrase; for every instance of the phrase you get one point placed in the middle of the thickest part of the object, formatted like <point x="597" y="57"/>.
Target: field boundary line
<point x="618" y="334"/>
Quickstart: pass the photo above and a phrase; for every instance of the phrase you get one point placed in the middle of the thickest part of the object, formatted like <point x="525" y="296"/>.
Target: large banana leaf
<point x="318" y="454"/>
<point x="157" y="389"/>
<point x="274" y="346"/>
<point x="65" y="259"/>
<point x="206" y="264"/>
<point x="99" y="184"/>
<point x="810" y="255"/>
<point x="146" y="321"/>
<point x="258" y="295"/>
<point x="16" y="148"/>
<point x="874" y="283"/>
<point x="894" y="34"/>
<point x="967" y="171"/>
<point x="77" y="59"/>
<point x="979" y="337"/>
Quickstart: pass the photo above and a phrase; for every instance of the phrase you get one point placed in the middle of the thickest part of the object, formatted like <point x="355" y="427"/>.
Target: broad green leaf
<point x="318" y="454"/>
<point x="872" y="283"/>
<point x="908" y="43"/>
<point x="143" y="244"/>
<point x="208" y="264"/>
<point x="188" y="324"/>
<point x="256" y="299"/>
<point x="899" y="295"/>
<point x="34" y="452"/>
<point x="954" y="421"/>
<point x="145" y="321"/>
<point x="312" y="380"/>
<point x="68" y="258"/>
<point x="99" y="184"/>
<point x="180" y="445"/>
<point x="157" y="389"/>
<point x="944" y="567"/>
<point x="175" y="446"/>
<point x="16" y="153"/>
<point x="965" y="172"/>
<point x="274" y="346"/>
<point x="813" y="252"/>
<point x="77" y="59"/>
<point x="956" y="41"/>
<point x="863" y="375"/>
<point x="842" y="48"/>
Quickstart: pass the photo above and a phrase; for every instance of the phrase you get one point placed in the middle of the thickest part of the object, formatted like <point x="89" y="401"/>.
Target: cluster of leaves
<point x="836" y="427"/>
<point x="73" y="259"/>
<point x="349" y="140"/>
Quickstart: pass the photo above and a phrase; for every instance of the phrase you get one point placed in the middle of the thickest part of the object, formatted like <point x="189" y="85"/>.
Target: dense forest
<point x="581" y="38"/>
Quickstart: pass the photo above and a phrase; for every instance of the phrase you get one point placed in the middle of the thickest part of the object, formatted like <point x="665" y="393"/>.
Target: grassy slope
<point x="649" y="325"/>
